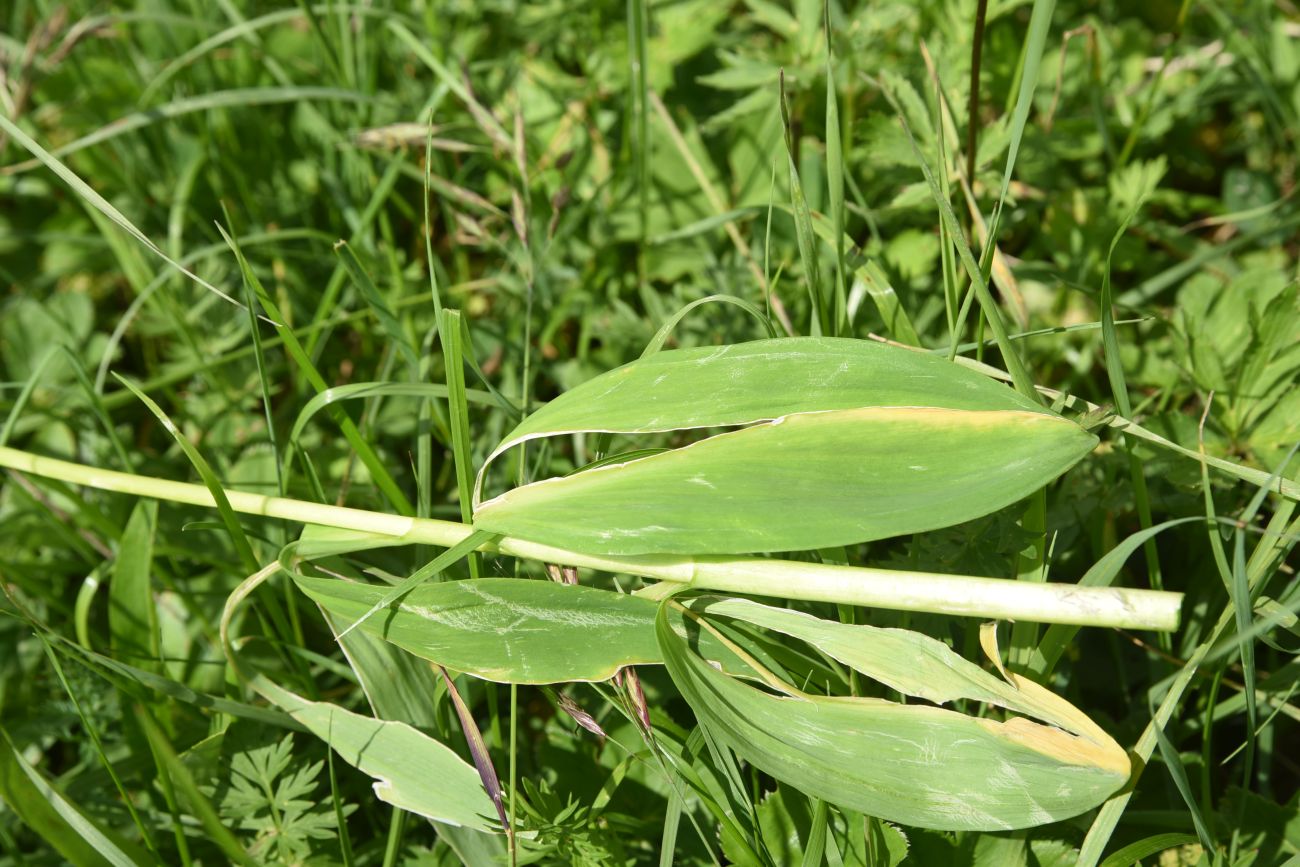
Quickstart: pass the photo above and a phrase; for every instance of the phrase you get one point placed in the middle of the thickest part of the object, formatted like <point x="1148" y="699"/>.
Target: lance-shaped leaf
<point x="512" y="631"/>
<point x="847" y="441"/>
<point x="745" y="383"/>
<point x="810" y="480"/>
<point x="918" y="765"/>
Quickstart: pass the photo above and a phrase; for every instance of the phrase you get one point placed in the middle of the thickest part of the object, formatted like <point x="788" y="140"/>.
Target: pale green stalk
<point x="849" y="585"/>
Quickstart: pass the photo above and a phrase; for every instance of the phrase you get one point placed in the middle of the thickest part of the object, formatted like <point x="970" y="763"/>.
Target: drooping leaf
<point x="411" y="770"/>
<point x="911" y="663"/>
<point x="918" y="765"/>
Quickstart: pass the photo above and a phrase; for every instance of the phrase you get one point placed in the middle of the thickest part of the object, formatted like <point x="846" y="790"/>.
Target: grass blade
<point x="452" y="332"/>
<point x="835" y="177"/>
<point x="821" y="323"/>
<point x="237" y="536"/>
<point x="99" y="203"/>
<point x="383" y="479"/>
<point x="74" y="834"/>
<point x="376" y="301"/>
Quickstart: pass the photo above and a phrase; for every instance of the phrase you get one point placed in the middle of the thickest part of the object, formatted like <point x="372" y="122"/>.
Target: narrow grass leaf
<point x="875" y="283"/>
<point x="1174" y="762"/>
<point x="129" y="675"/>
<point x="1010" y="357"/>
<point x="1115" y="371"/>
<point x="815" y="851"/>
<point x="665" y="331"/>
<point x="672" y="822"/>
<point x="264" y="381"/>
<point x="378" y="471"/>
<point x="487" y="122"/>
<point x="364" y="390"/>
<point x="1101" y="574"/>
<point x="1040" y="22"/>
<point x="99" y="203"/>
<point x="835" y="177"/>
<point x="92" y="397"/>
<point x="376" y="302"/>
<point x="451" y="331"/>
<point x="205" y="102"/>
<point x="803" y="228"/>
<point x="210" y="480"/>
<point x="241" y="30"/>
<point x="1140" y="850"/>
<point x="59" y="821"/>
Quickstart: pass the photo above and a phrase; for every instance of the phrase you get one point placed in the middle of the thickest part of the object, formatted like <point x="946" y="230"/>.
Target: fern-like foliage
<point x="276" y="801"/>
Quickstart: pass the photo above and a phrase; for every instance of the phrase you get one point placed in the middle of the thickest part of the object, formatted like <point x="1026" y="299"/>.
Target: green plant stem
<point x="849" y="585"/>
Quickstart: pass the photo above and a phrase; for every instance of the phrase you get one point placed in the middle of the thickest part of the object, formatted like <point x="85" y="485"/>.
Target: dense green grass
<point x="593" y="171"/>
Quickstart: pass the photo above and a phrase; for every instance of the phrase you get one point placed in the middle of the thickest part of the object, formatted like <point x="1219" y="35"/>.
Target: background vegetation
<point x="594" y="168"/>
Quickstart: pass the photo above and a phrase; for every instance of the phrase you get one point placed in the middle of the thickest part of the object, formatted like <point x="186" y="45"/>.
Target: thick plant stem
<point x="851" y="585"/>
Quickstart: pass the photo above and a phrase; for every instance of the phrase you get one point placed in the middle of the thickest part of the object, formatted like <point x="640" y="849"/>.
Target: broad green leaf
<point x="810" y="480"/>
<point x="132" y="618"/>
<point x="914" y="764"/>
<point x="401" y="688"/>
<point x="411" y="770"/>
<point x="909" y="662"/>
<point x="762" y="380"/>
<point x="510" y="630"/>
<point x="862" y="441"/>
